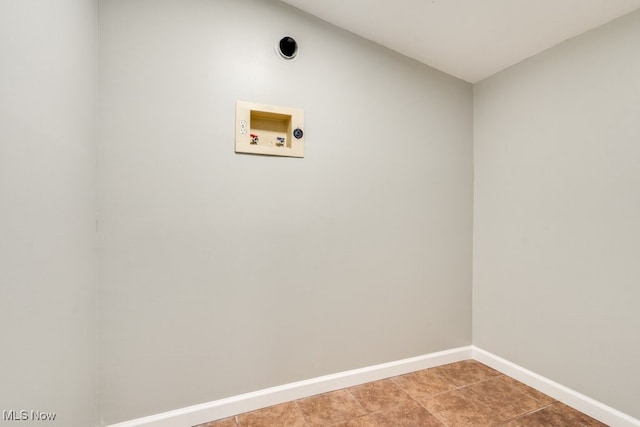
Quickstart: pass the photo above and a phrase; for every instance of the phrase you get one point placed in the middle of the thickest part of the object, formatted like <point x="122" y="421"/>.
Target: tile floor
<point x="466" y="393"/>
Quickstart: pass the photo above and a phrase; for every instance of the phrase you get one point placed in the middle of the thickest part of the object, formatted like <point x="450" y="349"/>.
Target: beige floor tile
<point x="407" y="414"/>
<point x="557" y="414"/>
<point x="456" y="411"/>
<point x="363" y="421"/>
<point x="227" y="422"/>
<point x="529" y="391"/>
<point x="330" y="408"/>
<point x="497" y="399"/>
<point x="379" y="395"/>
<point x="466" y="372"/>
<point x="284" y="415"/>
<point x="424" y="384"/>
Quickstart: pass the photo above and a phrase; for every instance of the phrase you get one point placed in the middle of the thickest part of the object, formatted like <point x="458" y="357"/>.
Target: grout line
<point x="427" y="409"/>
<point x="530" y="412"/>
<point x="306" y="423"/>
<point x="457" y="388"/>
<point x="357" y="401"/>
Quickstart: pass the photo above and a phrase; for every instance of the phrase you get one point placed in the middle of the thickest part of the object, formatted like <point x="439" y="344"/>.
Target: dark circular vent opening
<point x="288" y="47"/>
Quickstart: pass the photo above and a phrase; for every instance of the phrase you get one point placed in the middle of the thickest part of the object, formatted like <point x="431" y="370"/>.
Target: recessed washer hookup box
<point x="269" y="130"/>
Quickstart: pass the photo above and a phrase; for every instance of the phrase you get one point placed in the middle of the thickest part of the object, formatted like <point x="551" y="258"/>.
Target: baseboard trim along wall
<point x="579" y="401"/>
<point x="223" y="408"/>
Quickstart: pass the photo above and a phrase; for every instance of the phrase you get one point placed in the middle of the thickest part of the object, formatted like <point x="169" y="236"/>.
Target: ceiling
<point x="470" y="39"/>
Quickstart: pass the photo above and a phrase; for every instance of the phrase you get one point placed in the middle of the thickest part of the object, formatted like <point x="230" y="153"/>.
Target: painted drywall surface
<point x="223" y="273"/>
<point x="557" y="203"/>
<point x="47" y="209"/>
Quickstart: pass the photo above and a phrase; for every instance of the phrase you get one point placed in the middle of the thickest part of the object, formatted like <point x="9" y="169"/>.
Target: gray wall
<point x="557" y="208"/>
<point x="47" y="209"/>
<point x="223" y="273"/>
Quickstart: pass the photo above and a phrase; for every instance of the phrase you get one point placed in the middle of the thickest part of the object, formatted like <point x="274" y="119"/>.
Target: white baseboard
<point x="223" y="408"/>
<point x="582" y="403"/>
